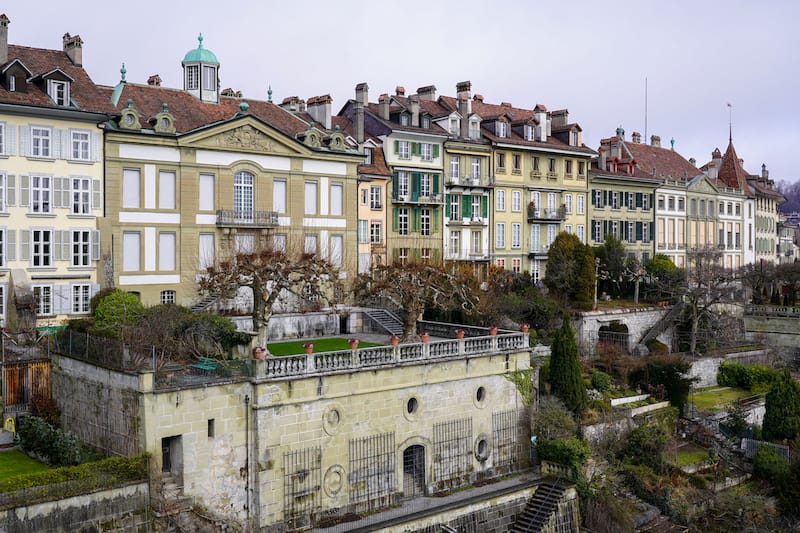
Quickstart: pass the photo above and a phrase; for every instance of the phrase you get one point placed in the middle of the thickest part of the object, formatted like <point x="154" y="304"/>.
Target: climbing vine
<point x="522" y="381"/>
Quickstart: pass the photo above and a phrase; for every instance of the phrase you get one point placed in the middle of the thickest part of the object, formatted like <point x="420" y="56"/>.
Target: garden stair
<point x="204" y="305"/>
<point x="540" y="508"/>
<point x="663" y="323"/>
<point x="390" y="322"/>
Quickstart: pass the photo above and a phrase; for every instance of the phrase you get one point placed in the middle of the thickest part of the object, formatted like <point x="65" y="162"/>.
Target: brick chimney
<point x="73" y="47"/>
<point x="320" y="109"/>
<point x="655" y="140"/>
<point x="293" y="104"/>
<point x="413" y="104"/>
<point x="464" y="110"/>
<point x="636" y="137"/>
<point x="693" y="161"/>
<point x="362" y="98"/>
<point x="4" y="22"/>
<point x="478" y="98"/>
<point x="764" y="171"/>
<point x="400" y="90"/>
<point x="155" y="81"/>
<point x="383" y="106"/>
<point x="559" y="117"/>
<point x="427" y="93"/>
<point x="464" y="90"/>
<point x="601" y="162"/>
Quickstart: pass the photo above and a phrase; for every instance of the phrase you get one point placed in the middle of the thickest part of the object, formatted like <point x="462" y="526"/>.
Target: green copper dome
<point x="200" y="54"/>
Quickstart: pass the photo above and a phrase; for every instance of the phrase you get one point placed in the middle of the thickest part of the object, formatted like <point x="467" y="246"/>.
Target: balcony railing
<point x="539" y="249"/>
<point x="409" y="199"/>
<point x="250" y="219"/>
<point x="558" y="213"/>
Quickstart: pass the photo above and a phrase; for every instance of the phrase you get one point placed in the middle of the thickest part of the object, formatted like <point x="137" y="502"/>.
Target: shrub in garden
<point x="56" y="446"/>
<point x="601" y="381"/>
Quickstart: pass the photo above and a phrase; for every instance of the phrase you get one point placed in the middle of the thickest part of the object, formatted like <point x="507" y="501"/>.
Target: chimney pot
<point x="602" y="162"/>
<point x="506" y="104"/>
<point x="73" y="47"/>
<point x="427" y="93"/>
<point x="383" y="106"/>
<point x="400" y="90"/>
<point x="693" y="161"/>
<point x="413" y="104"/>
<point x="4" y="22"/>
<point x="636" y="137"/>
<point x="655" y="140"/>
<point x="478" y="98"/>
<point x="155" y="80"/>
<point x="362" y="99"/>
<point x="463" y="89"/>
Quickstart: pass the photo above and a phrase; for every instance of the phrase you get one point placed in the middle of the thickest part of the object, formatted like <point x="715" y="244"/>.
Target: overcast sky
<point x="590" y="57"/>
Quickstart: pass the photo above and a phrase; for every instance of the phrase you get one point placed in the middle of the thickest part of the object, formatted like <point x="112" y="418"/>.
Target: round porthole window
<point x="412" y="405"/>
<point x="480" y="394"/>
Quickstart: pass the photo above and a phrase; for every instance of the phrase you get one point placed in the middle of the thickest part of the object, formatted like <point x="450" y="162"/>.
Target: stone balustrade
<point x="386" y="356"/>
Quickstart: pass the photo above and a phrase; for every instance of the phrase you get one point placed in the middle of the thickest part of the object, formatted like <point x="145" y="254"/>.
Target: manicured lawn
<point x="15" y="463"/>
<point x="320" y="345"/>
<point x="692" y="456"/>
<point x="717" y="398"/>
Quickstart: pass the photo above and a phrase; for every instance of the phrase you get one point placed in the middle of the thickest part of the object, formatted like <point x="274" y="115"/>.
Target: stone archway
<point x="414" y="471"/>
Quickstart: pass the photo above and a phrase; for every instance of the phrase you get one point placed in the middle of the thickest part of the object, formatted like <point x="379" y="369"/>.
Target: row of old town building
<point x="141" y="187"/>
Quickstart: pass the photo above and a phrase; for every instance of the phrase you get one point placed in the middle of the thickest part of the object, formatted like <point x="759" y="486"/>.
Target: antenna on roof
<point x="730" y="123"/>
<point x="645" y="108"/>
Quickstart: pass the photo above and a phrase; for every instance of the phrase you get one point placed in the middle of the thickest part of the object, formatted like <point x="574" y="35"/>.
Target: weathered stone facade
<point x="637" y="320"/>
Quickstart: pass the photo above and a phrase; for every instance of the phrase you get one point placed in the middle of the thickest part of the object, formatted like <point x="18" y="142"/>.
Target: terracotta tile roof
<point x="83" y="91"/>
<point x="190" y="113"/>
<point x="378" y="166"/>
<point x="763" y="189"/>
<point x="663" y="162"/>
<point x="373" y="109"/>
<point x="731" y="172"/>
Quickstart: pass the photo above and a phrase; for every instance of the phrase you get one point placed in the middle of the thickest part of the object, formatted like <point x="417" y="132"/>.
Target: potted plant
<point x="524" y="328"/>
<point x="394" y="340"/>
<point x="259" y="352"/>
<point x="460" y="333"/>
<point x="424" y="336"/>
<point x="353" y="343"/>
<point x="493" y="330"/>
<point x="308" y="347"/>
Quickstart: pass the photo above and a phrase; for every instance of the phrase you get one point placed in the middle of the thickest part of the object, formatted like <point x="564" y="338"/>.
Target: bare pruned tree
<point x="272" y="273"/>
<point x="414" y="287"/>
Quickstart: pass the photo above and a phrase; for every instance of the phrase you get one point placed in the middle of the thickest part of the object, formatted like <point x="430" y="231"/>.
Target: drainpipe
<point x="247" y="458"/>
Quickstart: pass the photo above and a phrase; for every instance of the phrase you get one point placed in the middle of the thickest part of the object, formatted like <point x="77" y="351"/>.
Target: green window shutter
<point x="447" y="201"/>
<point x="436" y="178"/>
<point x="436" y="256"/>
<point x="394" y="184"/>
<point x="435" y="221"/>
<point x="435" y="151"/>
<point x="415" y="217"/>
<point x="466" y="206"/>
<point x="485" y="206"/>
<point x="639" y="200"/>
<point x="395" y="219"/>
<point x="415" y="186"/>
<point x="414" y="148"/>
<point x="397" y="147"/>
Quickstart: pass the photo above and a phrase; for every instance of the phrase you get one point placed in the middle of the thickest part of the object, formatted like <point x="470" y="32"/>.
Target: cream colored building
<point x="51" y="183"/>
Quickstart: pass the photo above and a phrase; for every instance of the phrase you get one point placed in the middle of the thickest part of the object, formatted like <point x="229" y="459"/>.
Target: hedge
<point x="756" y="378"/>
<point x="69" y="481"/>
<point x="573" y="452"/>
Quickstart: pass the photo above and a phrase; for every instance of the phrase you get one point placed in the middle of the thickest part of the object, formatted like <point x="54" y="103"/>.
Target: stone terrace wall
<point x="638" y="320"/>
<point x="120" y="509"/>
<point x="98" y="405"/>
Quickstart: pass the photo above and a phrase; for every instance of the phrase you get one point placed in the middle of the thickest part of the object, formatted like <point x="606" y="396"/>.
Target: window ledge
<point x="75" y="215"/>
<point x="41" y="215"/>
<point x="82" y="161"/>
<point x="39" y="158"/>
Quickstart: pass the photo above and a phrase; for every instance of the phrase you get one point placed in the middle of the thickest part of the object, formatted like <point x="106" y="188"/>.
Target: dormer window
<point x="501" y="129"/>
<point x="426" y="122"/>
<point x="59" y="91"/>
<point x="454" y="127"/>
<point x="12" y="84"/>
<point x="192" y="77"/>
<point x="474" y="129"/>
<point x="367" y="156"/>
<point x="404" y="120"/>
<point x="573" y="138"/>
<point x="528" y="132"/>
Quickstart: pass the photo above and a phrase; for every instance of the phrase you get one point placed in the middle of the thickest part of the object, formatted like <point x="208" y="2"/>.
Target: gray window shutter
<point x="66" y="245"/>
<point x="24" y="245"/>
<point x="57" y="198"/>
<point x="10" y="147"/>
<point x="66" y="193"/>
<point x="95" y="155"/>
<point x="25" y="140"/>
<point x="57" y="246"/>
<point x="59" y="145"/>
<point x="96" y="190"/>
<point x="95" y="245"/>
<point x="11" y="189"/>
<point x="11" y="244"/>
<point x="24" y="191"/>
<point x="62" y="299"/>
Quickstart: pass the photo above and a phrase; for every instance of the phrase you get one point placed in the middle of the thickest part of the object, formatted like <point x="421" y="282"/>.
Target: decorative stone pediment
<point x="247" y="138"/>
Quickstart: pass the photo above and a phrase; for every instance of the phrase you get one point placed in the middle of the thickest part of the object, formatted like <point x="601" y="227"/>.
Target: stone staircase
<point x="204" y="305"/>
<point x="539" y="508"/>
<point x="663" y="323"/>
<point x="387" y="320"/>
<point x="171" y="499"/>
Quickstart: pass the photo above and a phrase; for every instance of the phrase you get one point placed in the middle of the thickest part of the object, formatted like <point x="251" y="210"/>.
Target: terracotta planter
<point x="492" y="331"/>
<point x="424" y="337"/>
<point x="354" y="345"/>
<point x="308" y="348"/>
<point x="259" y="352"/>
<point x="459" y="334"/>
<point x="394" y="340"/>
<point x="524" y="328"/>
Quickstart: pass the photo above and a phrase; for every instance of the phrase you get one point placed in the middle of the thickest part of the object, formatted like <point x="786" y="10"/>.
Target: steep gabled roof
<point x="731" y="172"/>
<point x="661" y="162"/>
<point x="39" y="62"/>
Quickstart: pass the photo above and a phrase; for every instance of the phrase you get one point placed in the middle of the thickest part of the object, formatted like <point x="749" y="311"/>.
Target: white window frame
<point x="402" y="183"/>
<point x="425" y="222"/>
<point x="80" y="145"/>
<point x="43" y="296"/>
<point x="337" y="199"/>
<point x="425" y="184"/>
<point x="363" y="231"/>
<point x="58" y="90"/>
<point x="41" y="141"/>
<point x="476" y="168"/>
<point x="209" y="78"/>
<point x="41" y="194"/>
<point x="131" y="188"/>
<point x="167" y="247"/>
<point x="243" y="185"/>
<point x="500" y="200"/>
<point x="426" y="152"/>
<point x="502" y="128"/>
<point x="205" y="250"/>
<point x="192" y="77"/>
<point x="80" y="293"/>
<point x="375" y="232"/>
<point x="166" y="189"/>
<point x="81" y="195"/>
<point x="80" y="247"/>
<point x="205" y="201"/>
<point x="580" y="232"/>
<point x="131" y="251"/>
<point x="167" y="297"/>
<point x="310" y="244"/>
<point x="516" y="201"/>
<point x="516" y="235"/>
<point x="455" y="242"/>
<point x="41" y="248"/>
<point x="516" y="266"/>
<point x="367" y="155"/>
<point x="403" y="223"/>
<point x="455" y="166"/>
<point x="310" y="197"/>
<point x="279" y="190"/>
<point x="568" y="203"/>
<point x="500" y="235"/>
<point x="402" y="150"/>
<point x="375" y="197"/>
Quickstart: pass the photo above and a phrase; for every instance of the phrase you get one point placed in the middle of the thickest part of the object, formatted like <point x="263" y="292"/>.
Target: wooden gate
<point x="22" y="381"/>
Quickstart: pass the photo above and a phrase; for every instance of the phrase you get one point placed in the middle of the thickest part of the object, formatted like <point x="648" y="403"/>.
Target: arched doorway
<point x="613" y="337"/>
<point x="414" y="471"/>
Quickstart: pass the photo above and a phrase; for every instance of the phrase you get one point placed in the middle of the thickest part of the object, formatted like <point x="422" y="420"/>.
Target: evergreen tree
<point x="782" y="410"/>
<point x="565" y="369"/>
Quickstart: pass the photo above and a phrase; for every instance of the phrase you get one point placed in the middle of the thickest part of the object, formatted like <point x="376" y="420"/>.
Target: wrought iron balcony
<point x="558" y="213"/>
<point x="247" y="219"/>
